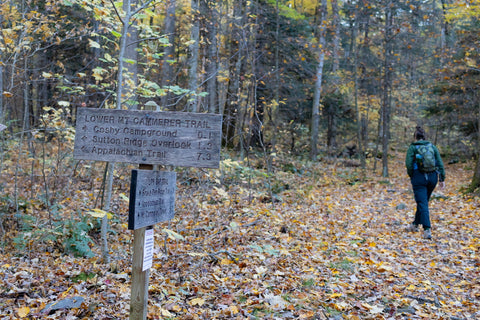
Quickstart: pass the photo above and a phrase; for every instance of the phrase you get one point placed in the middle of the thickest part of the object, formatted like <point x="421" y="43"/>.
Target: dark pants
<point x="423" y="185"/>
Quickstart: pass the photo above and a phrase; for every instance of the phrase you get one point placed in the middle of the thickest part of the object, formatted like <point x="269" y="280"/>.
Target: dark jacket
<point x="410" y="160"/>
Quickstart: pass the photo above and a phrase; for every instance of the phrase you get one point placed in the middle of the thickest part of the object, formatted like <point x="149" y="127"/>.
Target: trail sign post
<point x="148" y="138"/>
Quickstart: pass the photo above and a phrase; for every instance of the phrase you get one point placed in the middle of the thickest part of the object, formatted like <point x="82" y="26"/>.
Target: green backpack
<point x="425" y="157"/>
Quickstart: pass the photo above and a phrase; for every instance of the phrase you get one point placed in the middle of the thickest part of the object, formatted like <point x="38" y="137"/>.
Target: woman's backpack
<point x="425" y="157"/>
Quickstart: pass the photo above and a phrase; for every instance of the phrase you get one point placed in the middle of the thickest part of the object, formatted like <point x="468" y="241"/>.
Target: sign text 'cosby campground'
<point x="134" y="136"/>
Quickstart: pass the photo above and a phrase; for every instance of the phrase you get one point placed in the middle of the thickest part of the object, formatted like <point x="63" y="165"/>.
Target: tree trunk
<point x="387" y="78"/>
<point x="475" y="184"/>
<point x="124" y="43"/>
<point x="331" y="115"/>
<point x="168" y="78"/>
<point x="318" y="83"/>
<point x="444" y="34"/>
<point x="236" y="62"/>
<point x="254" y="114"/>
<point x="273" y="110"/>
<point x="212" y="59"/>
<point x="336" y="37"/>
<point x="131" y="69"/>
<point x="193" y="58"/>
<point x="359" y="116"/>
<point x="245" y="67"/>
<point x="223" y="62"/>
<point x="2" y="120"/>
<point x="331" y="110"/>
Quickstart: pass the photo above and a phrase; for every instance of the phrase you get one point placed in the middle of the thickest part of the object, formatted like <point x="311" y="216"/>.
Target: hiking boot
<point x="412" y="228"/>
<point x="427" y="234"/>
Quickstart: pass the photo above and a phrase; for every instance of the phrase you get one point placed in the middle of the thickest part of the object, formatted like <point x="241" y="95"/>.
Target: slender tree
<point x="211" y="58"/>
<point x="168" y="77"/>
<point x="193" y="57"/>
<point x="126" y="20"/>
<point x="387" y="85"/>
<point x="130" y="81"/>
<point x="318" y="80"/>
<point x="2" y="63"/>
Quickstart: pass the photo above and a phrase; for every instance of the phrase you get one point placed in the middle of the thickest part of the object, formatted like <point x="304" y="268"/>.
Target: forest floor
<point x="329" y="246"/>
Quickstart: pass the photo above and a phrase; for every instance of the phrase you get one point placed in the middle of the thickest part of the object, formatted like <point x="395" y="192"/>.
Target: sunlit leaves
<point x="116" y="34"/>
<point x="98" y="73"/>
<point x="99" y="213"/>
<point x="173" y="235"/>
<point x="461" y="10"/>
<point x="93" y="44"/>
<point x="23" y="312"/>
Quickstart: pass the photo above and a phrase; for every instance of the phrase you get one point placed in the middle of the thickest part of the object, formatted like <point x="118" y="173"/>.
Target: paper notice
<point x="148" y="247"/>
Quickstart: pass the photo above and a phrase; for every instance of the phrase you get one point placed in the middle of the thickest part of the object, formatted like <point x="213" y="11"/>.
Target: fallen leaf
<point x="23" y="312"/>
<point x="197" y="302"/>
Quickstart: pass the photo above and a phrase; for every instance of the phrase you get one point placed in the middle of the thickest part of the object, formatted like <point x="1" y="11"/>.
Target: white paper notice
<point x="2" y="127"/>
<point x="148" y="250"/>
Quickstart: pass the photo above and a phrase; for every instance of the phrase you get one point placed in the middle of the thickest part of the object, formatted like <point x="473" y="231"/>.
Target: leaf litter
<point x="329" y="245"/>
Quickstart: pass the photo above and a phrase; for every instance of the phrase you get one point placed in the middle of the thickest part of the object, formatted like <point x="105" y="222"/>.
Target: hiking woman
<point x="425" y="168"/>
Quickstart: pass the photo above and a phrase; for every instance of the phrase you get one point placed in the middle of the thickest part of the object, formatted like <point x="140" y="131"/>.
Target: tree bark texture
<point x="233" y="106"/>
<point x="475" y="184"/>
<point x="168" y="77"/>
<point x="387" y="78"/>
<point x="131" y="69"/>
<point x="318" y="82"/>
<point x="212" y="59"/>
<point x="193" y="57"/>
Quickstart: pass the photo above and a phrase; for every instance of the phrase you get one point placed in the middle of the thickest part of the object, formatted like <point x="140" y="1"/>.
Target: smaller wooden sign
<point x="152" y="198"/>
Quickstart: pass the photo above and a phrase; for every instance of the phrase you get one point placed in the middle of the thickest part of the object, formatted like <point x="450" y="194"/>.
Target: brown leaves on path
<point x="330" y="246"/>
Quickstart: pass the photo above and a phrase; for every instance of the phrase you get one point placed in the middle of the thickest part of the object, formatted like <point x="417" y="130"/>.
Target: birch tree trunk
<point x="318" y="82"/>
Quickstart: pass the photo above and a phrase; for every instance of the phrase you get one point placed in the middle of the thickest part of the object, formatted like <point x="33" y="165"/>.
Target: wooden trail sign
<point x="152" y="198"/>
<point x="134" y="136"/>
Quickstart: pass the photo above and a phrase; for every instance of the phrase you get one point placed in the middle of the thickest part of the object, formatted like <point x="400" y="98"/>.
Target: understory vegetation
<point x="304" y="240"/>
